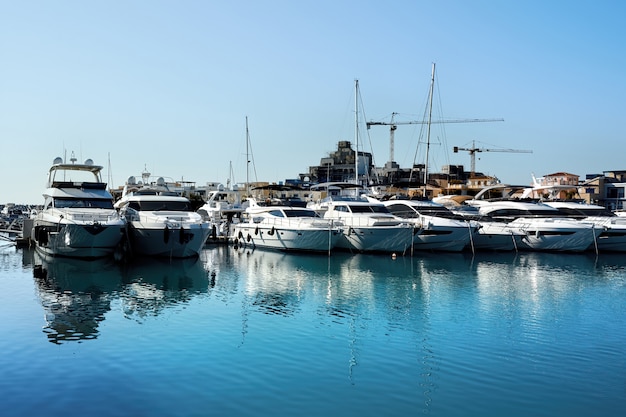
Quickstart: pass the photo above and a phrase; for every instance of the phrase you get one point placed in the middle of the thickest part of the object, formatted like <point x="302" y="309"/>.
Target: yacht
<point x="160" y="222"/>
<point x="610" y="229"/>
<point x="285" y="228"/>
<point x="222" y="208"/>
<point x="369" y="226"/>
<point x="491" y="235"/>
<point x="78" y="218"/>
<point x="543" y="227"/>
<point x="439" y="228"/>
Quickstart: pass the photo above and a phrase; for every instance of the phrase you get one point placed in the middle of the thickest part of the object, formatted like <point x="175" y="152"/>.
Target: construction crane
<point x="472" y="151"/>
<point x="394" y="125"/>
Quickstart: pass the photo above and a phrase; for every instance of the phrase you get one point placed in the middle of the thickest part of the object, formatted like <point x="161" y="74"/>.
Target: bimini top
<point x="86" y="175"/>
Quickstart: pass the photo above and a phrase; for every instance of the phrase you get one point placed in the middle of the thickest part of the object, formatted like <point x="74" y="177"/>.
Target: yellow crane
<point x="472" y="151"/>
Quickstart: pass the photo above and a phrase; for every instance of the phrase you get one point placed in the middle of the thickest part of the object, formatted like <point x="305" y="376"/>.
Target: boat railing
<point x="90" y="216"/>
<point x="297" y="222"/>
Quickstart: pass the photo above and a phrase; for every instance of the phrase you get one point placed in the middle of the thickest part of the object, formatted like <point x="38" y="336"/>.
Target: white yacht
<point x="222" y="208"/>
<point x="439" y="228"/>
<point x="543" y="227"/>
<point x="369" y="226"/>
<point x="160" y="222"/>
<point x="78" y="218"/>
<point x="491" y="235"/>
<point x="610" y="229"/>
<point x="285" y="228"/>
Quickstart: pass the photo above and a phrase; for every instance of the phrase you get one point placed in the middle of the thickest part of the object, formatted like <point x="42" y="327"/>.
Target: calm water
<point x="263" y="333"/>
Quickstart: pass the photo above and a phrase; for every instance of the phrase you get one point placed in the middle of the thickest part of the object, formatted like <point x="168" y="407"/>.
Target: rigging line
<point x="421" y="133"/>
<point x="369" y="138"/>
<point x="443" y="125"/>
<point x="256" y="179"/>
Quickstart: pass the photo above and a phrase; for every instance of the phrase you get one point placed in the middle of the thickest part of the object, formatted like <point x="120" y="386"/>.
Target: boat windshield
<point x="160" y="205"/>
<point x="583" y="212"/>
<point x="368" y="209"/>
<point x="301" y="213"/>
<point x="83" y="203"/>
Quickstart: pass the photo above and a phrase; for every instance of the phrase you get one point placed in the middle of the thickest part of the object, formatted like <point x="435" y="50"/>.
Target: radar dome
<point x="160" y="181"/>
<point x="131" y="180"/>
<point x="89" y="162"/>
<point x="57" y="160"/>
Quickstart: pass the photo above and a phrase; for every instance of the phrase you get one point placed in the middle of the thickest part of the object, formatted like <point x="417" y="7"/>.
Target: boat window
<point x="360" y="209"/>
<point x="82" y="203"/>
<point x="301" y="213"/>
<point x="403" y="211"/>
<point x="341" y="208"/>
<point x="164" y="206"/>
<point x="379" y="209"/>
<point x="276" y="213"/>
<point x="584" y="212"/>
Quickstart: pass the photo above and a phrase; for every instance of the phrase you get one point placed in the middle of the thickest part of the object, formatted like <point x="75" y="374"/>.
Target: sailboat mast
<point x="247" y="160"/>
<point x="356" y="131"/>
<point x="430" y="114"/>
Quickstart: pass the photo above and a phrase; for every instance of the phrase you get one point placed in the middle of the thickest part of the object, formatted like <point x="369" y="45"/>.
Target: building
<point x="340" y="166"/>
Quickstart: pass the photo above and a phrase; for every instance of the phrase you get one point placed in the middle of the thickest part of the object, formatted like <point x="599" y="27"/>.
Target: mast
<point x="356" y="131"/>
<point x="430" y="115"/>
<point x="247" y="160"/>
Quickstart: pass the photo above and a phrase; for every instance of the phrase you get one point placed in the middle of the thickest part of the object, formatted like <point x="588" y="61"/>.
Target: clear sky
<point x="167" y="85"/>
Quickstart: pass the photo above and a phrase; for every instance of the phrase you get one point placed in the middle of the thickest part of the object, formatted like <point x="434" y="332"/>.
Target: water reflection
<point x="77" y="294"/>
<point x="428" y="329"/>
<point x="152" y="285"/>
<point x="403" y="294"/>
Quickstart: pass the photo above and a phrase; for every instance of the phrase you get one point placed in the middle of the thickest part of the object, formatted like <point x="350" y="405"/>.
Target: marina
<point x="260" y="332"/>
<point x="312" y="209"/>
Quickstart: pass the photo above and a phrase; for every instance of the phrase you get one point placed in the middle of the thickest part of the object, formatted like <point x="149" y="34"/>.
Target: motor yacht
<point x="610" y="229"/>
<point x="369" y="226"/>
<point x="286" y="228"/>
<point x="78" y="218"/>
<point x="439" y="228"/>
<point x="160" y="222"/>
<point x="222" y="208"/>
<point x="543" y="227"/>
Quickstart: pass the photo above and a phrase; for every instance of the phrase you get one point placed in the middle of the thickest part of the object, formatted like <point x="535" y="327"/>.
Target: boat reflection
<point x="76" y="294"/>
<point x="153" y="285"/>
<point x="403" y="293"/>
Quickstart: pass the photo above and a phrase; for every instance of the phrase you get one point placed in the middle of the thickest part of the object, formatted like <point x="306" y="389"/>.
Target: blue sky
<point x="167" y="85"/>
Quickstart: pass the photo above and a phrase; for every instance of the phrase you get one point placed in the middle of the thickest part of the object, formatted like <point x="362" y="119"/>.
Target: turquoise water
<point x="238" y="333"/>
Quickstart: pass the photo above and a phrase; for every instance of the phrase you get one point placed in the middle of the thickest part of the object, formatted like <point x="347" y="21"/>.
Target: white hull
<point x="395" y="239"/>
<point x="78" y="219"/>
<point x="494" y="236"/>
<point x="160" y="240"/>
<point x="554" y="234"/>
<point x="440" y="234"/>
<point x="611" y="240"/>
<point x="442" y="239"/>
<point x="286" y="238"/>
<point x="610" y="233"/>
<point x="63" y="237"/>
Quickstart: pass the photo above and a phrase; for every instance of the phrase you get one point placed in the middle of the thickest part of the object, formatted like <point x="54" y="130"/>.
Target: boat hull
<point x="166" y="241"/>
<point x="611" y="240"/>
<point x="395" y="239"/>
<point x="558" y="235"/>
<point x="77" y="240"/>
<point x="439" y="234"/>
<point x="285" y="238"/>
<point x="493" y="236"/>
